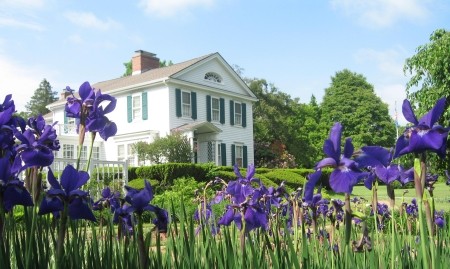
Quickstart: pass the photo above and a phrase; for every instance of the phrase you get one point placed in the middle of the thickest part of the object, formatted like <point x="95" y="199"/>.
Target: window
<point x="69" y="125"/>
<point x="186" y="104"/>
<point x="120" y="153"/>
<point x="96" y="153"/>
<point x="83" y="153"/>
<point x="219" y="154"/>
<point x="68" y="151"/>
<point x="215" y="109"/>
<point x="211" y="76"/>
<point x="239" y="153"/>
<point x="137" y="109"/>
<point x="131" y="155"/>
<point x="237" y="113"/>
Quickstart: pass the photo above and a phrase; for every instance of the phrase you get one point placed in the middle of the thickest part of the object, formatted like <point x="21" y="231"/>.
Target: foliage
<point x="351" y="100"/>
<point x="289" y="178"/>
<point x="42" y="96"/>
<point x="173" y="148"/>
<point x="168" y="172"/>
<point x="283" y="128"/>
<point x="430" y="70"/>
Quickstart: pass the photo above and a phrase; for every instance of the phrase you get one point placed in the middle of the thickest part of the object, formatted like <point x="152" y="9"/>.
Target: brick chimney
<point x="143" y="61"/>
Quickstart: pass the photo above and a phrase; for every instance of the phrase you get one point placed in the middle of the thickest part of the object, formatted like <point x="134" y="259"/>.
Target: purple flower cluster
<point x="89" y="110"/>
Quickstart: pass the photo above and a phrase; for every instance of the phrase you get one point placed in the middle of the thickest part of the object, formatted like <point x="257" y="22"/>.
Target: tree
<point x="430" y="70"/>
<point x="282" y="127"/>
<point x="351" y="100"/>
<point x="173" y="148"/>
<point x="42" y="97"/>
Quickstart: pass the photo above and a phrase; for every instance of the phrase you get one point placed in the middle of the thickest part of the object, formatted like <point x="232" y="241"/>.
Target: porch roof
<point x="201" y="127"/>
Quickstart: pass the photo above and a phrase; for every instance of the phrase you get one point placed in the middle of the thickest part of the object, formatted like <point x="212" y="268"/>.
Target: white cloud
<point x="19" y="79"/>
<point x="77" y="39"/>
<point x="383" y="13"/>
<point x="89" y="20"/>
<point x="170" y="8"/>
<point x="10" y="22"/>
<point x="390" y="62"/>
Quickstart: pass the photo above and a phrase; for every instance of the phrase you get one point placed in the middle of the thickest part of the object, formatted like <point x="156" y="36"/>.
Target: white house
<point x="204" y="98"/>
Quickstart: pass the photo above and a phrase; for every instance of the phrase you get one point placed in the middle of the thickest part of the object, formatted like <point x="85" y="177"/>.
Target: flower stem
<point x="61" y="236"/>
<point x="143" y="257"/>
<point x="90" y="150"/>
<point x="348" y="219"/>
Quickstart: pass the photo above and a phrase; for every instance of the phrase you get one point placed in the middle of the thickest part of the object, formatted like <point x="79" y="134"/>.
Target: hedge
<point x="168" y="172"/>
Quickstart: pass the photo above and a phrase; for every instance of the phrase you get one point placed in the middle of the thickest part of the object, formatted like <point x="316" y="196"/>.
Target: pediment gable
<point x="216" y="73"/>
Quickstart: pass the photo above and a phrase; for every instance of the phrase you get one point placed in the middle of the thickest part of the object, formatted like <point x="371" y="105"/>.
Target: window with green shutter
<point x="244" y="114"/>
<point x="223" y="154"/>
<point x="129" y="108"/>
<point x="244" y="157"/>
<point x="144" y="106"/>
<point x="222" y="110"/>
<point x="194" y="105"/>
<point x="178" y="102"/>
<point x="233" y="155"/>
<point x="231" y="112"/>
<point x="208" y="108"/>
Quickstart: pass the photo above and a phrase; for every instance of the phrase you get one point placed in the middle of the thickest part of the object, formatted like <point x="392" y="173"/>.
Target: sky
<point x="297" y="45"/>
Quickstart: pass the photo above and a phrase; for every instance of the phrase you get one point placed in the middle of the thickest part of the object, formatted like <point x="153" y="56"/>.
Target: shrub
<point x="290" y="179"/>
<point x="166" y="173"/>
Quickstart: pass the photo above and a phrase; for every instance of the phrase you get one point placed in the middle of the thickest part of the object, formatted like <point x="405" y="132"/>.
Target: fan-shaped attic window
<point x="214" y="77"/>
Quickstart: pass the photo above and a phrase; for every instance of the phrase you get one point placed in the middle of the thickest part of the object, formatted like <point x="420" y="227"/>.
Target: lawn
<point x="441" y="195"/>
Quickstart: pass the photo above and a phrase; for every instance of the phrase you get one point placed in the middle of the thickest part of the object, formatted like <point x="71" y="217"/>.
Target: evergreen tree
<point x="42" y="96"/>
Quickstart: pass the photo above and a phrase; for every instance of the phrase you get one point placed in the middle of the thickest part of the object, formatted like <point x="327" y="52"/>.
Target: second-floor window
<point x="215" y="109"/>
<point x="96" y="153"/>
<point x="237" y="113"/>
<point x="186" y="104"/>
<point x="137" y="108"/>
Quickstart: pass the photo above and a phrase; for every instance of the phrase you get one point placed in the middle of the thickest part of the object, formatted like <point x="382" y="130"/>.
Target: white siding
<point x="229" y="81"/>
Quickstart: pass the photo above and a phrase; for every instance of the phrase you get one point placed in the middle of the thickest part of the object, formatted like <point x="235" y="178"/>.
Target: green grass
<point x="441" y="195"/>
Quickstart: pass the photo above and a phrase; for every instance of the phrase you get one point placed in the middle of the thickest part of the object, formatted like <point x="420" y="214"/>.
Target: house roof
<point x="201" y="127"/>
<point x="150" y="75"/>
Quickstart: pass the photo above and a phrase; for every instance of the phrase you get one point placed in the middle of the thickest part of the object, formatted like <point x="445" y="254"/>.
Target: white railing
<point x="102" y="174"/>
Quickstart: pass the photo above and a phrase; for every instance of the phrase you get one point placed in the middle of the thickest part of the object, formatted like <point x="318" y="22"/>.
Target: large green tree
<point x="42" y="96"/>
<point x="430" y="70"/>
<point x="283" y="128"/>
<point x="351" y="100"/>
<point x="430" y="80"/>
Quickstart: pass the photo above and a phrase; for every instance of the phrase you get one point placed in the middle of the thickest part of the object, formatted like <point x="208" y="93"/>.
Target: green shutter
<point x="129" y="108"/>
<point x="244" y="115"/>
<point x="194" y="105"/>
<point x="223" y="152"/>
<point x="178" y="102"/>
<point x="208" y="108"/>
<point x="144" y="106"/>
<point x="231" y="112"/>
<point x="245" y="159"/>
<point x="233" y="155"/>
<point x="222" y="110"/>
<point x="65" y="117"/>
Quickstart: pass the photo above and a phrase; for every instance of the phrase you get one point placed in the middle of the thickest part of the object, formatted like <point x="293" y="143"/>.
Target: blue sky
<point x="297" y="45"/>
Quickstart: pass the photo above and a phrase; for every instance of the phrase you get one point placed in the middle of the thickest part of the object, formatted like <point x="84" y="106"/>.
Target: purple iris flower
<point x="12" y="190"/>
<point x="424" y="134"/>
<point x="139" y="201"/>
<point x="109" y="199"/>
<point x="90" y="112"/>
<point x="346" y="173"/>
<point x="9" y="123"/>
<point x="313" y="179"/>
<point x="439" y="218"/>
<point x="448" y="178"/>
<point x="379" y="161"/>
<point x="412" y="209"/>
<point x="68" y="192"/>
<point x="246" y="202"/>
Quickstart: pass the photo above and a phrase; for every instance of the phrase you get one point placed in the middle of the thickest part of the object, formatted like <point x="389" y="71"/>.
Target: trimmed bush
<point x="168" y="172"/>
<point x="291" y="179"/>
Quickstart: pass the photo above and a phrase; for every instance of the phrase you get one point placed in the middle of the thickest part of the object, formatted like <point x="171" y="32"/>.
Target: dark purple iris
<point x="90" y="112"/>
<point x="412" y="209"/>
<point x="439" y="219"/>
<point x="313" y="179"/>
<point x="12" y="190"/>
<point x="346" y="173"/>
<point x="67" y="192"/>
<point x="9" y="123"/>
<point x="37" y="144"/>
<point x="139" y="201"/>
<point x="424" y="134"/>
<point x="109" y="199"/>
